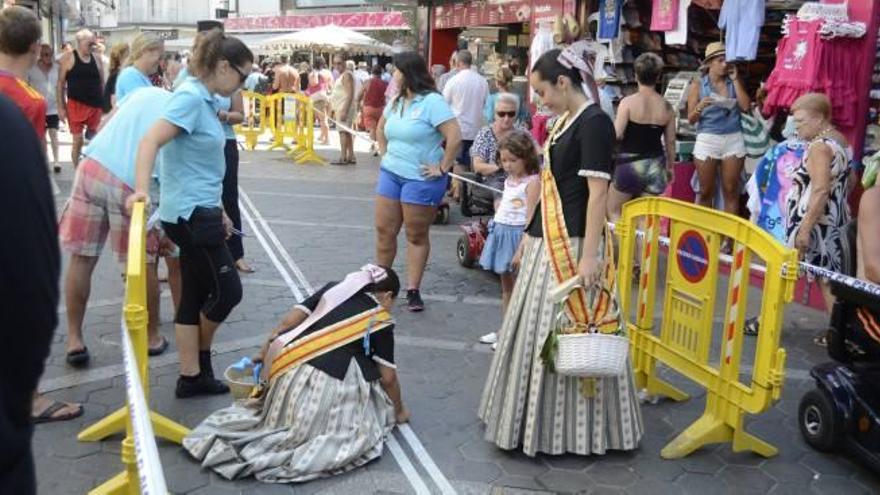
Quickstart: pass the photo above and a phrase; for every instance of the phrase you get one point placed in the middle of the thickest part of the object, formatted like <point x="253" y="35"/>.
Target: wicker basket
<point x="241" y="383"/>
<point x="591" y="355"/>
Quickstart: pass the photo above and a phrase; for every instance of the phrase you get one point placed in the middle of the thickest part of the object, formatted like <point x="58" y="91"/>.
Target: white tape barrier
<point x="152" y="478"/>
<point x="852" y="282"/>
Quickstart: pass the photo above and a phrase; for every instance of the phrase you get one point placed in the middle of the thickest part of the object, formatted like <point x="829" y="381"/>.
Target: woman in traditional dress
<point x="329" y="392"/>
<point x="525" y="404"/>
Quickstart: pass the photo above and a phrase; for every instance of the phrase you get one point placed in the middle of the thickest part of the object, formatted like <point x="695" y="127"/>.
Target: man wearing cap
<point x="715" y="102"/>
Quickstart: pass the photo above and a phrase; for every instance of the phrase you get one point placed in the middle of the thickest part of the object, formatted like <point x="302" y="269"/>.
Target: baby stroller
<point x="843" y="411"/>
<point x="475" y="201"/>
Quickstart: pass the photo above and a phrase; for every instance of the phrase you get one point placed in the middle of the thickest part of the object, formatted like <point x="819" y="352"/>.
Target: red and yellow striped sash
<point x="561" y="253"/>
<point x="559" y="249"/>
<point x="329" y="339"/>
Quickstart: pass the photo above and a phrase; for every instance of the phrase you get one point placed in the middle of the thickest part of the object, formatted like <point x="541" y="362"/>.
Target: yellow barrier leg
<point x="656" y="386"/>
<point x="109" y="425"/>
<point x="117" y="485"/>
<point x="167" y="429"/>
<point x="710" y="429"/>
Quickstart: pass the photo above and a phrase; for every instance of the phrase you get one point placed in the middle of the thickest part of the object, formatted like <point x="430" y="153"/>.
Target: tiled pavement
<point x="322" y="216"/>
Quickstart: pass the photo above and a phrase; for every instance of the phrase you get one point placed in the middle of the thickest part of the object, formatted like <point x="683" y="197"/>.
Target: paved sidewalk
<point x="322" y="216"/>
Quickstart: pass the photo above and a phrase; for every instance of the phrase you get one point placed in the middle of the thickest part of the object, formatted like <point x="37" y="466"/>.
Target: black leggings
<point x="210" y="281"/>
<point x="230" y="197"/>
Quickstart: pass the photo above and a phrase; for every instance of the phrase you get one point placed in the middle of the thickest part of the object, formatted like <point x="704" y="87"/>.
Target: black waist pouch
<point x="207" y="227"/>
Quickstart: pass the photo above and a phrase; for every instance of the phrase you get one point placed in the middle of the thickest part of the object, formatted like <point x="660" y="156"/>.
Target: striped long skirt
<point x="309" y="426"/>
<point x="524" y="404"/>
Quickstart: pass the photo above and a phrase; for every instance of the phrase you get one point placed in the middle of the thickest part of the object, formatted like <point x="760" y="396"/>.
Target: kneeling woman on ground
<point x="330" y="392"/>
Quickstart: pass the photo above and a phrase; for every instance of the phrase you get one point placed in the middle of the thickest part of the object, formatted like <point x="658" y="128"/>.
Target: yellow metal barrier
<point x="281" y="119"/>
<point x="255" y="116"/>
<point x="135" y="311"/>
<point x="305" y="132"/>
<point x="684" y="342"/>
<point x="287" y="116"/>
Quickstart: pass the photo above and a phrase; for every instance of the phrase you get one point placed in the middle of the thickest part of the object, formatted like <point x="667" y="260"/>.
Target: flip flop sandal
<point x="78" y="358"/>
<point x="48" y="415"/>
<point x="155" y="351"/>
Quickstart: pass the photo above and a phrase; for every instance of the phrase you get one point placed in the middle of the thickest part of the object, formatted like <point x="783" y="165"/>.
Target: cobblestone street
<point x="322" y="217"/>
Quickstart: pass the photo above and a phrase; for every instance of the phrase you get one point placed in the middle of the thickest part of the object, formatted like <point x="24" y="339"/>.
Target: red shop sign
<point x="355" y="20"/>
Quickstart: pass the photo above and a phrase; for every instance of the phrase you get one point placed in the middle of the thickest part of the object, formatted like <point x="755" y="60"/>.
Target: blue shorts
<point x="416" y="192"/>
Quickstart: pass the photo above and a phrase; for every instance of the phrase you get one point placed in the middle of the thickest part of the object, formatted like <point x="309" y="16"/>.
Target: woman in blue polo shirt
<point x="192" y="142"/>
<point x="412" y="177"/>
<point x="146" y="50"/>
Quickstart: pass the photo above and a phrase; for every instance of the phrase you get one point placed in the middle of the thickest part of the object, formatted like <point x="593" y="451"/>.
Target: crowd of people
<point x="166" y="140"/>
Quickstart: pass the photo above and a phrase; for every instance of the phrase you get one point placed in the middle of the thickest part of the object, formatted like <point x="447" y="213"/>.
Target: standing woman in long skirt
<point x="192" y="142"/>
<point x="524" y="404"/>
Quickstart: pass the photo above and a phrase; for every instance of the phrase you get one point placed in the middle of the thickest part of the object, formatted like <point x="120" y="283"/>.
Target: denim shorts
<point x="416" y="192"/>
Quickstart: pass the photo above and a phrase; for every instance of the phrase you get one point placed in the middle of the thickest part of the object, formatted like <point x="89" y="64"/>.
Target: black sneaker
<point x="201" y="384"/>
<point x="414" y="301"/>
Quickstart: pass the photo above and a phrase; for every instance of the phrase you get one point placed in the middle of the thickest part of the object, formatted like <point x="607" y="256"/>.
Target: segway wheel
<point x="442" y="217"/>
<point x="463" y="252"/>
<point x="819" y="424"/>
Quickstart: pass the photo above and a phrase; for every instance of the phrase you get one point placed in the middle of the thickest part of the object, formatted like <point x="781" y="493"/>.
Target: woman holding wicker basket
<point x="533" y="399"/>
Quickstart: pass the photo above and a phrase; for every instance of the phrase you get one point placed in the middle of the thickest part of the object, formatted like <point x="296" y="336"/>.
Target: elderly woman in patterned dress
<point x="817" y="209"/>
<point x="525" y="404"/>
<point x="329" y="392"/>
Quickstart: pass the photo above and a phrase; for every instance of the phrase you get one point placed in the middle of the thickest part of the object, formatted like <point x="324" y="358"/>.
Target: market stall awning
<point x="328" y="38"/>
<point x="253" y="41"/>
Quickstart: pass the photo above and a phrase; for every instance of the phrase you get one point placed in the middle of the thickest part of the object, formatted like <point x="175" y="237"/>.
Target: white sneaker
<point x="489" y="338"/>
<point x="495" y="346"/>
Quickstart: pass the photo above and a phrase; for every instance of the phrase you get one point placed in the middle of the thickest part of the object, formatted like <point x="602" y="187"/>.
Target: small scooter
<point x="843" y="411"/>
<point x="477" y="199"/>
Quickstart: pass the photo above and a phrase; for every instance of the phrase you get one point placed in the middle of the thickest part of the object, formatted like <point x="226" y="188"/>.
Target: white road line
<point x="281" y="250"/>
<point x="293" y="287"/>
<point x="422" y="454"/>
<point x="408" y="469"/>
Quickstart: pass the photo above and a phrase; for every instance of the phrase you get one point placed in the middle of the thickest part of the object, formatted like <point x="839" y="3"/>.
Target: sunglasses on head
<point x="506" y="114"/>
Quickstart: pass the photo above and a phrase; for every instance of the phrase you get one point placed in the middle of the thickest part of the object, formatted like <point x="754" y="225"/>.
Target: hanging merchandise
<point x="609" y="19"/>
<point x="678" y="36"/>
<point x="769" y="186"/>
<point x="742" y="20"/>
<point x="664" y="15"/>
<point x="798" y="63"/>
<point x="542" y="42"/>
<point x="811" y="58"/>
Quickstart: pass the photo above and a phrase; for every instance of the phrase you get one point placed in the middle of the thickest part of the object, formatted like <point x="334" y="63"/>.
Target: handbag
<point x="595" y="348"/>
<point x="206" y="226"/>
<point x="587" y="339"/>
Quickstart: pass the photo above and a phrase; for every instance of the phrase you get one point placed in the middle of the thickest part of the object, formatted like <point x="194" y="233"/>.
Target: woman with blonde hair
<point x="817" y="209"/>
<point x="118" y="54"/>
<point x="143" y="61"/>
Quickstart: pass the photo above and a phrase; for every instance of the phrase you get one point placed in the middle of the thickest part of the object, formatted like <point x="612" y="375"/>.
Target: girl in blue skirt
<point x="503" y="248"/>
